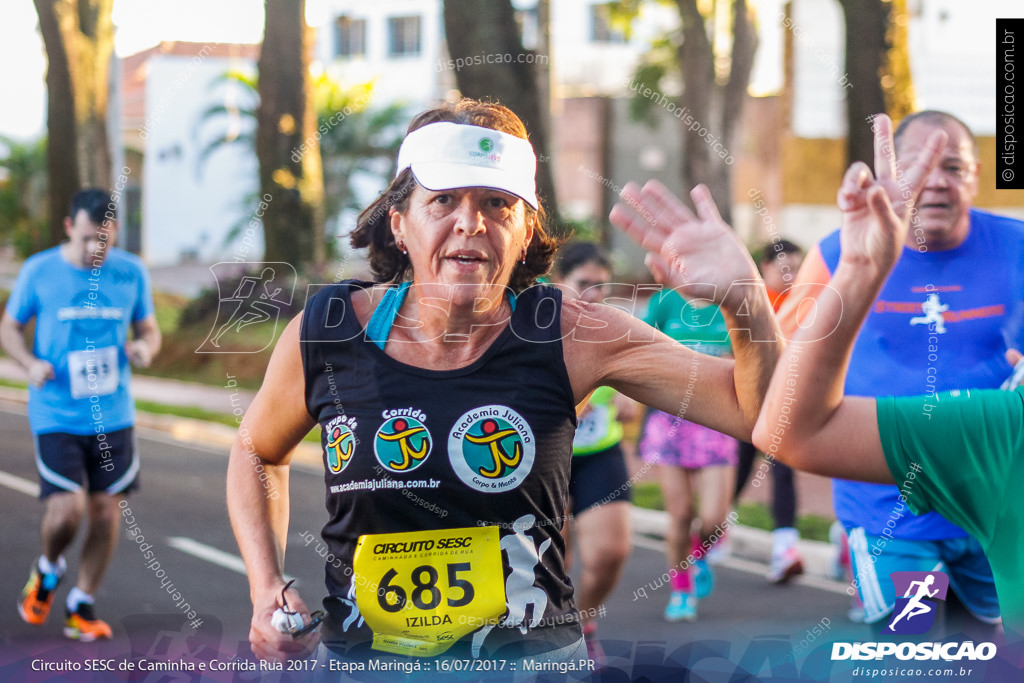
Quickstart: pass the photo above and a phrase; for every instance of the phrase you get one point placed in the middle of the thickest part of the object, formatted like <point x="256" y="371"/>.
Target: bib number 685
<point x="425" y="594"/>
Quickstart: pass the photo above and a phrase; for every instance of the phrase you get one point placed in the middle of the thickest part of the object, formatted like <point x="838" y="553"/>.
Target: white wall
<point x="952" y="48"/>
<point x="186" y="209"/>
<point x="585" y="68"/>
<point x="415" y="80"/>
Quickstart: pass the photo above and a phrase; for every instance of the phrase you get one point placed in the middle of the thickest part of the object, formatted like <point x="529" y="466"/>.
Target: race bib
<point x="421" y="591"/>
<point x="93" y="373"/>
<point x="592" y="427"/>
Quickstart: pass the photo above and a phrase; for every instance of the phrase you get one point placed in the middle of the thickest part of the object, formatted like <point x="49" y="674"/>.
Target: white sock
<point x="47" y="567"/>
<point x="784" y="538"/>
<point x="76" y="597"/>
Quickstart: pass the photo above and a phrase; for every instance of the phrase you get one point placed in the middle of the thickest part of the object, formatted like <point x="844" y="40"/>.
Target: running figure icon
<point x="914" y="606"/>
<point x="933" y="311"/>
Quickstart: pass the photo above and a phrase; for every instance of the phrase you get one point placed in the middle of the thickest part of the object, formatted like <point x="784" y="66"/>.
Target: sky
<point x="140" y="24"/>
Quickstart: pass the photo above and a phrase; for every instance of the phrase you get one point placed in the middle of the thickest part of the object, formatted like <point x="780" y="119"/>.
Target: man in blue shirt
<point x="84" y="295"/>
<point x="943" y="321"/>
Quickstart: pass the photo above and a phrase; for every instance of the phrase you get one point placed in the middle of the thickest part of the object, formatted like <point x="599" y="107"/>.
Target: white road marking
<point x="29" y="488"/>
<point x="212" y="555"/>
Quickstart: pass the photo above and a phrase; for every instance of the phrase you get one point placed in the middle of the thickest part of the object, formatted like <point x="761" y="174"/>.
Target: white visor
<point x="449" y="155"/>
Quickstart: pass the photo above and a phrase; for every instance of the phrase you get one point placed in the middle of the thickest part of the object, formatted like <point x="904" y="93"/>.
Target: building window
<point x="601" y="29"/>
<point x="529" y="27"/>
<point x="351" y="37"/>
<point x="403" y="36"/>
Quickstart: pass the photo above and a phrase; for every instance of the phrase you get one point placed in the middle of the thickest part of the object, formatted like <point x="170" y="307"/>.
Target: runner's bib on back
<point x="446" y="490"/>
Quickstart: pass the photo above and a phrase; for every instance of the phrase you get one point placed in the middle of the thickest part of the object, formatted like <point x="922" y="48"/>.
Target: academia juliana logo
<point x="402" y="443"/>
<point x="915" y="611"/>
<point x="339" y="443"/>
<point x="491" y="448"/>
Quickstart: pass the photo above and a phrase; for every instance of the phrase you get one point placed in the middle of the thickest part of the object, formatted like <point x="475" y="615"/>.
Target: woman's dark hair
<point x="577" y="254"/>
<point x="775" y="250"/>
<point x="373" y="227"/>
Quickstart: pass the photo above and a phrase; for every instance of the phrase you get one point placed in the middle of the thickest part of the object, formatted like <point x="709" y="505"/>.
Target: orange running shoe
<point x="83" y="625"/>
<point x="37" y="596"/>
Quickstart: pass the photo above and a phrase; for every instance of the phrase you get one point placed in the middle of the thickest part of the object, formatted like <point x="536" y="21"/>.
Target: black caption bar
<point x="1009" y="135"/>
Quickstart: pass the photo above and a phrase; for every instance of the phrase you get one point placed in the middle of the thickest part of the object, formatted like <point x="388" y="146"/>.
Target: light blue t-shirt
<point x="82" y="320"/>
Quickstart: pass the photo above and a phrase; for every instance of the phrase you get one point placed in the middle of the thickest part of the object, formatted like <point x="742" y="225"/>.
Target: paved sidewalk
<point x="167" y="391"/>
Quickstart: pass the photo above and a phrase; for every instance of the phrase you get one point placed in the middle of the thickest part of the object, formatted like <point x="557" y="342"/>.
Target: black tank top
<point x="409" y="449"/>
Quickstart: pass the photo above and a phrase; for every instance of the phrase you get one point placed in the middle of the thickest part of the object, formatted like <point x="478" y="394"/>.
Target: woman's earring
<point x="522" y="258"/>
<point x="401" y="248"/>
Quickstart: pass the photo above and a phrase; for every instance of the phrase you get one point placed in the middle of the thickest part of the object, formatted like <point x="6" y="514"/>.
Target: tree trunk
<point x="715" y="107"/>
<point x="878" y="65"/>
<point x="79" y="39"/>
<point x="291" y="180"/>
<point x="477" y="28"/>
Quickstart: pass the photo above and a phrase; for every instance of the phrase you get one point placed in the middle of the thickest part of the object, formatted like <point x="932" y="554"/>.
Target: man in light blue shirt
<point x="84" y="295"/>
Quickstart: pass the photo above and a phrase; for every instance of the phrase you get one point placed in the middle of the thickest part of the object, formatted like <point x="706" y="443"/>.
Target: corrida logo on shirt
<point x="403" y="442"/>
<point x="491" y="448"/>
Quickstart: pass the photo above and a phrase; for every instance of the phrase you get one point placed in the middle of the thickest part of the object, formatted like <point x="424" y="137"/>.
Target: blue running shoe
<point x="681" y="607"/>
<point x="703" y="578"/>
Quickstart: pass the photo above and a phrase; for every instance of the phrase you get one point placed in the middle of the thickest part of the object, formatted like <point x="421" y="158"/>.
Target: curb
<point x="745" y="542"/>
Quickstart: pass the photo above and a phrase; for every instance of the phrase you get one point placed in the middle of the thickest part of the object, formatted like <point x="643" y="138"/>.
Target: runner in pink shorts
<point x="690" y="458"/>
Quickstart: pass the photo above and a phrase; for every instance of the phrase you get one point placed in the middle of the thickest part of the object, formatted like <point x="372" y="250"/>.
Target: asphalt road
<point x="746" y="627"/>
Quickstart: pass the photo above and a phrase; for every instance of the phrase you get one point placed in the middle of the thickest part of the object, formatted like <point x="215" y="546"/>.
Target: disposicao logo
<point x="914" y="613"/>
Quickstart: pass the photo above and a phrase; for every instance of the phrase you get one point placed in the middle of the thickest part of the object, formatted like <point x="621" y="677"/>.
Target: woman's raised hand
<point x="698" y="255"/>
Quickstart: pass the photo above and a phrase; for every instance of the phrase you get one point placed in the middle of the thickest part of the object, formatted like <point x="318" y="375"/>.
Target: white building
<point x="401" y="44"/>
<point x="189" y="206"/>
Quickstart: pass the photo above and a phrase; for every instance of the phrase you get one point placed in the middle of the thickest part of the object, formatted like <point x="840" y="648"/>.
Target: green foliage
<point x="621" y="14"/>
<point x="356" y="140"/>
<point x="23" y="185"/>
<point x="190" y="412"/>
<point x="585" y="230"/>
<point x="244" y="356"/>
<point x="652" y="71"/>
<point x="647" y="494"/>
<point x="202" y="311"/>
<point x="234" y="117"/>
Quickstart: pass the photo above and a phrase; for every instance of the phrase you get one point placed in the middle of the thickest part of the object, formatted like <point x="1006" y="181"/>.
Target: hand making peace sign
<point x="878" y="211"/>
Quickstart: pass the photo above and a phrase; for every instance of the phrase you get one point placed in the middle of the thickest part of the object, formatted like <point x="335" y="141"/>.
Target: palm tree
<point x="355" y="140"/>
